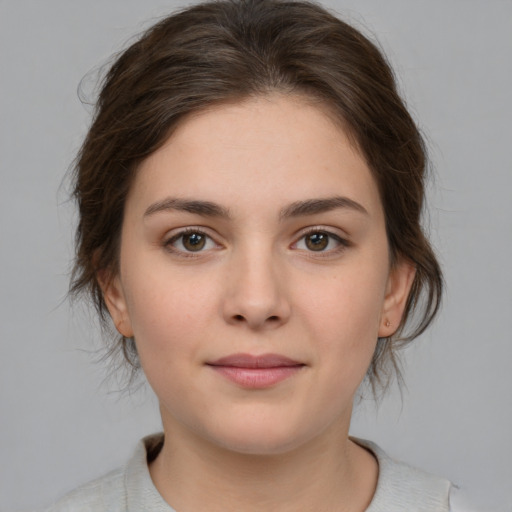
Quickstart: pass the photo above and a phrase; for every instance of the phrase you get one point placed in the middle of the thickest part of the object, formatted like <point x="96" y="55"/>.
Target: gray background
<point x="62" y="424"/>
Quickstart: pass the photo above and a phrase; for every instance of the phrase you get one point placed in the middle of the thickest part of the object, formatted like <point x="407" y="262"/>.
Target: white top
<point x="400" y="487"/>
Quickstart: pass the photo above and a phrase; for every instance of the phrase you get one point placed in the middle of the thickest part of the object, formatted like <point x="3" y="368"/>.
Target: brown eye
<point x="317" y="241"/>
<point x="194" y="241"/>
<point x="323" y="242"/>
<point x="190" y="242"/>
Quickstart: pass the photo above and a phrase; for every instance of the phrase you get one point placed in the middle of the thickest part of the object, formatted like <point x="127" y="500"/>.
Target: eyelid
<point x="174" y="235"/>
<point x="341" y="239"/>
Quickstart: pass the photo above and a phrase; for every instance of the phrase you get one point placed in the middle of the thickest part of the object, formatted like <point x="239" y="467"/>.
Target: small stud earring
<point x="388" y="323"/>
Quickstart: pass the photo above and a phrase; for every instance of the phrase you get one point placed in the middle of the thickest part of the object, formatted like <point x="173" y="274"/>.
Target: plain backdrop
<point x="62" y="424"/>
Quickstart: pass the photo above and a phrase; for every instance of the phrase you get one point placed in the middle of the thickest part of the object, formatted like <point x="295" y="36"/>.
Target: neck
<point x="328" y="473"/>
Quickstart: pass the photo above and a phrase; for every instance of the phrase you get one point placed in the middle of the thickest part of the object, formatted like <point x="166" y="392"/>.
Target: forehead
<point x="266" y="149"/>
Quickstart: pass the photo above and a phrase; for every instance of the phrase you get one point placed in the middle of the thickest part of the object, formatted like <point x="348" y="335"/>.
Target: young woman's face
<point x="255" y="276"/>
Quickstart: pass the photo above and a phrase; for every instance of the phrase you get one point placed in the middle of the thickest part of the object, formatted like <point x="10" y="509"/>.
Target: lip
<point x="256" y="372"/>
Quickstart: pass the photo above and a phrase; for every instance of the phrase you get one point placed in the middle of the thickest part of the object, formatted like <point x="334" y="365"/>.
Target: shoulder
<point x="460" y="501"/>
<point x="127" y="489"/>
<point x="404" y="488"/>
<point x="101" y="495"/>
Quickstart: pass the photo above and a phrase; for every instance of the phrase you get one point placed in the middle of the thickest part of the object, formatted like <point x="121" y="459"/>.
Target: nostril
<point x="241" y="318"/>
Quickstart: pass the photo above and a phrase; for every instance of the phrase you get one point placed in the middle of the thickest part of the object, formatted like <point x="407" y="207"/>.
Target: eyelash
<point x="343" y="243"/>
<point x="168" y="243"/>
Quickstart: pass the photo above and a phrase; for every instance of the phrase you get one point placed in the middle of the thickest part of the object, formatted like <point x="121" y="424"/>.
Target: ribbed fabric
<point x="400" y="488"/>
<point x="403" y="488"/>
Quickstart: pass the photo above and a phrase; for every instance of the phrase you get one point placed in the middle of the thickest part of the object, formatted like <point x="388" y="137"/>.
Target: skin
<point x="257" y="287"/>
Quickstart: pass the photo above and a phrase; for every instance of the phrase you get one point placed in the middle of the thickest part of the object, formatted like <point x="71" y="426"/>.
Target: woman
<point x="250" y="195"/>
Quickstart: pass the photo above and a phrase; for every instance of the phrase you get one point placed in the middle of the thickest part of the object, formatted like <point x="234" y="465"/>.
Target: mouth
<point x="256" y="372"/>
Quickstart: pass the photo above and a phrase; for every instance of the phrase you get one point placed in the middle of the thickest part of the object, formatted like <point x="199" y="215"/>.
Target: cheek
<point x="343" y="317"/>
<point x="352" y="304"/>
<point x="169" y="315"/>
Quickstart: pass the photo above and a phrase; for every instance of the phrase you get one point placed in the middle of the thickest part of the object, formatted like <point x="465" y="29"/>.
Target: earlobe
<point x="116" y="303"/>
<point x="399" y="285"/>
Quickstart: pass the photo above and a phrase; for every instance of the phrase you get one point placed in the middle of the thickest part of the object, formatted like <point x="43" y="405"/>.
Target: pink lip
<point x="256" y="372"/>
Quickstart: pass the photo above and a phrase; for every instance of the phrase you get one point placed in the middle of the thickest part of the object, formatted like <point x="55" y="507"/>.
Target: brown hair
<point x="228" y="50"/>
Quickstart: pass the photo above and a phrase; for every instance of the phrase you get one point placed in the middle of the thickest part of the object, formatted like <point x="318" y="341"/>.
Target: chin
<point x="259" y="447"/>
<point x="260" y="438"/>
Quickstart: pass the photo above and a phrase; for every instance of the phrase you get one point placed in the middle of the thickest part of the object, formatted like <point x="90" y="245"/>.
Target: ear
<point x="399" y="284"/>
<point x="114" y="297"/>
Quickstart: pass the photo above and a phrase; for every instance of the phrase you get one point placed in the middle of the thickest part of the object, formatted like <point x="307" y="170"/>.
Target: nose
<point x="255" y="293"/>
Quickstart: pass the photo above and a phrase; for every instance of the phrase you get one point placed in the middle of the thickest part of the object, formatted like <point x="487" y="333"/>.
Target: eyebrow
<point x="204" y="208"/>
<point x="295" y="209"/>
<point x="322" y="205"/>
